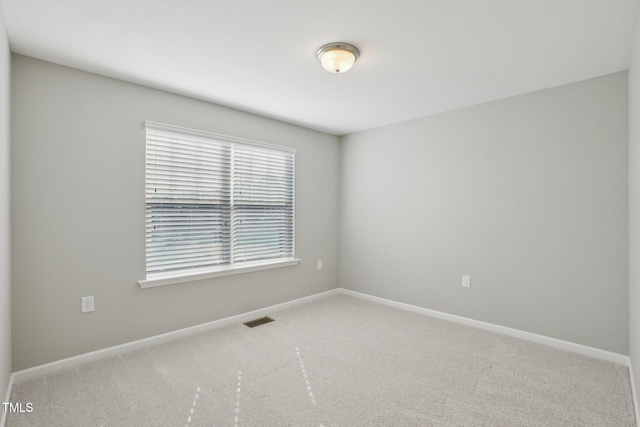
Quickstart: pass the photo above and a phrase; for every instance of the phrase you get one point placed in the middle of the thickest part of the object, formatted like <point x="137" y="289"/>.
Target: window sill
<point x="163" y="279"/>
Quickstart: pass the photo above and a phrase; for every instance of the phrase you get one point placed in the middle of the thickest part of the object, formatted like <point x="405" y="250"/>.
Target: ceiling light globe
<point x="337" y="61"/>
<point x="337" y="57"/>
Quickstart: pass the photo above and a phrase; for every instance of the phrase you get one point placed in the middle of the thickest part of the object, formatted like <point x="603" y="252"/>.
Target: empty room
<point x="337" y="213"/>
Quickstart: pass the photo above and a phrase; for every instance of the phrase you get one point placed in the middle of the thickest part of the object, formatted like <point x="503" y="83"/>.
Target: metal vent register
<point x="258" y="322"/>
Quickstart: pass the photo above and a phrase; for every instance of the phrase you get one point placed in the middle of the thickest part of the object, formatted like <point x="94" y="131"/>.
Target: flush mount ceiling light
<point x="337" y="57"/>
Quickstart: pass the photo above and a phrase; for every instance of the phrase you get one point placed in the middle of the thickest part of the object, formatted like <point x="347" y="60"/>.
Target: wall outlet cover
<point x="87" y="304"/>
<point x="466" y="281"/>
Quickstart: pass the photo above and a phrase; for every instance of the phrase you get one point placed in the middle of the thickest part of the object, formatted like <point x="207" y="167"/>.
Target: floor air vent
<point x="258" y="322"/>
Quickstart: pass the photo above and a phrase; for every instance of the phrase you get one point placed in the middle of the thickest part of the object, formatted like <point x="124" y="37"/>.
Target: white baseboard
<point x="634" y="393"/>
<point x="540" y="339"/>
<point x="3" y="414"/>
<point x="40" y="370"/>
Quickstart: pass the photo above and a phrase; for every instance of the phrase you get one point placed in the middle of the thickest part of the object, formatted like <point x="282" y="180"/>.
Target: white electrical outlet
<point x="87" y="304"/>
<point x="466" y="281"/>
<point x="320" y="264"/>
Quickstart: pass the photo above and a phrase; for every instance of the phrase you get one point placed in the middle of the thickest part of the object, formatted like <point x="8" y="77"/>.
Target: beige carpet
<point x="339" y="361"/>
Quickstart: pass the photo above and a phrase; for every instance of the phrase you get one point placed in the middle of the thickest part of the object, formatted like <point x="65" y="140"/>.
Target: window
<point x="215" y="205"/>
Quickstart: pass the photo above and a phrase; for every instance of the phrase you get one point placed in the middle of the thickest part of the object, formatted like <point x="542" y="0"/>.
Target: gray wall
<point x="5" y="264"/>
<point x="527" y="195"/>
<point x="634" y="209"/>
<point x="78" y="214"/>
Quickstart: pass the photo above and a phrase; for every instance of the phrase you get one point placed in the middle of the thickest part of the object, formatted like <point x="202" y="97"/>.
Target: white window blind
<point x="262" y="208"/>
<point x="214" y="201"/>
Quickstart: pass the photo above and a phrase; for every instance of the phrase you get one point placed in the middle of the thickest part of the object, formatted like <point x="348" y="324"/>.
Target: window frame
<point x="190" y="274"/>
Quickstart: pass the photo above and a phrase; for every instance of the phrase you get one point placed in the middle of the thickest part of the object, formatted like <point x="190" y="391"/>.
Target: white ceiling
<point x="418" y="57"/>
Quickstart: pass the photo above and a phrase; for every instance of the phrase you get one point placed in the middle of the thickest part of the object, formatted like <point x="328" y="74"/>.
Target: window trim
<point x="161" y="279"/>
<point x="181" y="276"/>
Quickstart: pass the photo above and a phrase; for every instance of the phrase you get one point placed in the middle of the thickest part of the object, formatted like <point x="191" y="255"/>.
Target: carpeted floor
<point x="339" y="361"/>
